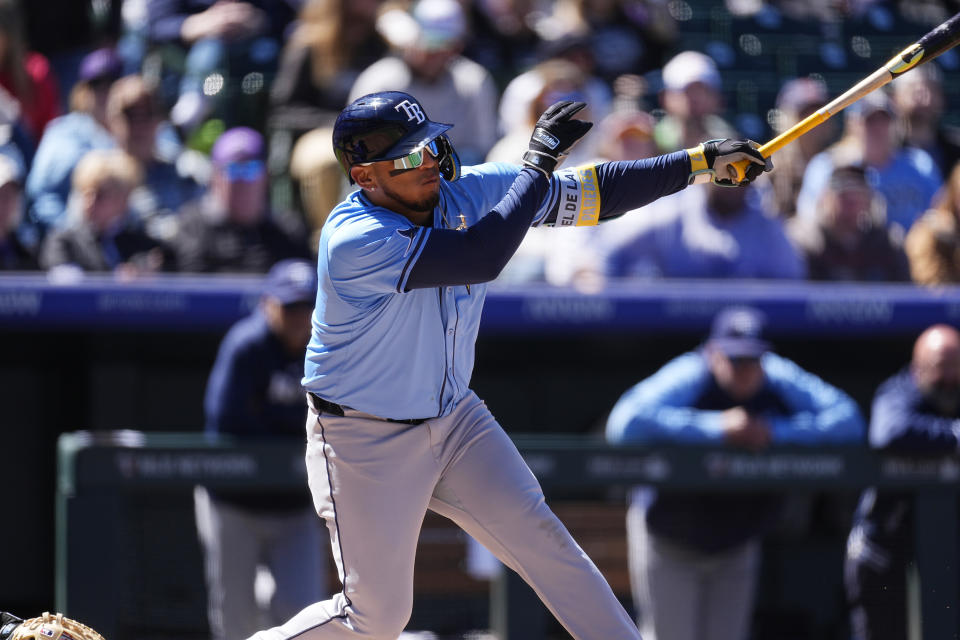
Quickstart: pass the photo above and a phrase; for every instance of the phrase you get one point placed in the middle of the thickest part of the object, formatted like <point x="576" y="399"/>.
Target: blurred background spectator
<point x="231" y="228"/>
<point x="694" y="558"/>
<point x="571" y="53"/>
<point x="798" y="98"/>
<point x="847" y="239"/>
<point x="428" y="63"/>
<point x="692" y="101"/>
<point x="704" y="231"/>
<point x="332" y="42"/>
<point x="226" y="53"/>
<point x="100" y="233"/>
<point x="318" y="179"/>
<point x="254" y="392"/>
<point x="70" y="136"/>
<point x="624" y="36"/>
<point x="916" y="411"/>
<point x="933" y="244"/>
<point x="14" y="255"/>
<point x="26" y="75"/>
<point x="919" y="100"/>
<point x="906" y="177"/>
<point x="134" y="117"/>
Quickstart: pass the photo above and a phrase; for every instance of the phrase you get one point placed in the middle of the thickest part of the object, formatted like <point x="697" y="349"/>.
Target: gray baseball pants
<point x="683" y="594"/>
<point x="372" y="481"/>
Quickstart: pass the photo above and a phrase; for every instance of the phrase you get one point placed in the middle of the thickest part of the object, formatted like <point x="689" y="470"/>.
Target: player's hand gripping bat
<point x="941" y="39"/>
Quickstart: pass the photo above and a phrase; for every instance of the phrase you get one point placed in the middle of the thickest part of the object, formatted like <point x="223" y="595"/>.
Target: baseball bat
<point x="940" y="39"/>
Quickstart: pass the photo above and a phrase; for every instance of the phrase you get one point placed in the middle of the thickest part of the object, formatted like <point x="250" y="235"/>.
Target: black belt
<point x="325" y="406"/>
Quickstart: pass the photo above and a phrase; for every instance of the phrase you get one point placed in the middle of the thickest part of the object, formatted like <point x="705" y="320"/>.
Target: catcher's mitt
<point x="49" y="626"/>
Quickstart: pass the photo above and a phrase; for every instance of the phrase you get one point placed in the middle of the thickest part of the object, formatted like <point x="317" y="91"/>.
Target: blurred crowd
<point x="195" y="135"/>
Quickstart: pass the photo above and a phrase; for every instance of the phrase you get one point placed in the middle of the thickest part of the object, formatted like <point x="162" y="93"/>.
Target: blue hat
<point x="739" y="332"/>
<point x="100" y="64"/>
<point x="291" y="282"/>
<point x="384" y="126"/>
<point x="237" y="145"/>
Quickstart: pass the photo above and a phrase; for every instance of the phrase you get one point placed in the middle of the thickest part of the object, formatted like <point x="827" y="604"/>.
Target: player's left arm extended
<point x="593" y="193"/>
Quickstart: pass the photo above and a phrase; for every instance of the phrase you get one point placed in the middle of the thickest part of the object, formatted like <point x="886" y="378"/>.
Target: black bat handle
<point x="940" y="39"/>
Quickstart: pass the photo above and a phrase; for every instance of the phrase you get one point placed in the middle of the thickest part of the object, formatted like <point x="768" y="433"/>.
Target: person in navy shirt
<point x="394" y="428"/>
<point x="916" y="411"/>
<point x="694" y="557"/>
<point x="254" y="392"/>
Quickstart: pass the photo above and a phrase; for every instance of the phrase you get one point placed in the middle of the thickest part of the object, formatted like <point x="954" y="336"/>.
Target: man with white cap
<point x="693" y="101"/>
<point x="427" y="63"/>
<point x="906" y="177"/>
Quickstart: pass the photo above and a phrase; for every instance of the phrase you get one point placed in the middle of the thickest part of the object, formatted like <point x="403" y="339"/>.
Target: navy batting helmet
<point x="386" y="126"/>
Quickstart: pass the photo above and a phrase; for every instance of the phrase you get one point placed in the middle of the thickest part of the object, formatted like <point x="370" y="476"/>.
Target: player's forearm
<point x="586" y="195"/>
<point x="479" y="253"/>
<point x="628" y="185"/>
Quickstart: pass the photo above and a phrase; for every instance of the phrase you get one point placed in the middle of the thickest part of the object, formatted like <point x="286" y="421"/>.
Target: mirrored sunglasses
<point x="246" y="171"/>
<point x="413" y="160"/>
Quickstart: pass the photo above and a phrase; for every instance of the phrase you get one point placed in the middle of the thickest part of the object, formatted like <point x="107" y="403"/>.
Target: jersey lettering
<point x="413" y="111"/>
<point x="589" y="197"/>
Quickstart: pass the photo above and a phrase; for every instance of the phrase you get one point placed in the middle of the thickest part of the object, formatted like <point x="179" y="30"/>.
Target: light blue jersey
<point x="382" y="350"/>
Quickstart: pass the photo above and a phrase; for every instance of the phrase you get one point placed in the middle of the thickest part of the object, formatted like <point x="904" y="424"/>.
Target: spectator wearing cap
<point x="14" y="254"/>
<point x="26" y="76"/>
<point x="100" y="234"/>
<point x="694" y="558"/>
<point x="848" y="239"/>
<point x="67" y="138"/>
<point x="231" y="228"/>
<point x="693" y="100"/>
<point x="798" y="98"/>
<point x="906" y="177"/>
<point x="428" y="41"/>
<point x="254" y="392"/>
<point x="919" y="100"/>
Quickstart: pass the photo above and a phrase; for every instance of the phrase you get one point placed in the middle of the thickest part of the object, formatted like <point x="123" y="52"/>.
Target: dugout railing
<point x="103" y="476"/>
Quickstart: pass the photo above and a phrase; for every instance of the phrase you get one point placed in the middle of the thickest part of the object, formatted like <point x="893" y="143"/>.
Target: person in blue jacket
<point x="254" y="392"/>
<point x="694" y="557"/>
<point x="916" y="411"/>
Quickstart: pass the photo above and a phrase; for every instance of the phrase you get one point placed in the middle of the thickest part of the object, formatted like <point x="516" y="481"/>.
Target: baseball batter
<point x="393" y="427"/>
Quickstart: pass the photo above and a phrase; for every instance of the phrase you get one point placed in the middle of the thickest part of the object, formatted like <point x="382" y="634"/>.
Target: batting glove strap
<point x="712" y="161"/>
<point x="542" y="162"/>
<point x="700" y="170"/>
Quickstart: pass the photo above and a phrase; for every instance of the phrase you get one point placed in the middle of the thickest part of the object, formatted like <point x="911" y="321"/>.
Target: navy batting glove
<point x="713" y="160"/>
<point x="553" y="136"/>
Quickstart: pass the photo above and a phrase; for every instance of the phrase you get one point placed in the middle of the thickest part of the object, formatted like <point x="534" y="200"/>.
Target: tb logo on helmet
<point x="413" y="111"/>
